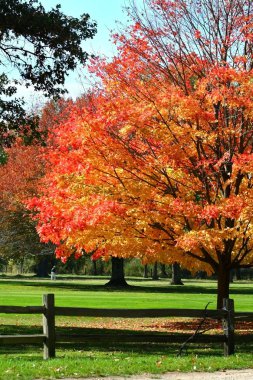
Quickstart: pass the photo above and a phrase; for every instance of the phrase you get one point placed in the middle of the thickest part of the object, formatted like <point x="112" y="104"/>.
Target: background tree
<point x="20" y="242"/>
<point x="19" y="178"/>
<point x="155" y="271"/>
<point x="145" y="271"/>
<point x="40" y="47"/>
<point x="176" y="277"/>
<point x="20" y="175"/>
<point x="164" y="274"/>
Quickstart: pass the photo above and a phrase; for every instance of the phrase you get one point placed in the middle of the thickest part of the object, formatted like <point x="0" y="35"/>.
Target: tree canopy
<point x="158" y="163"/>
<point x="39" y="48"/>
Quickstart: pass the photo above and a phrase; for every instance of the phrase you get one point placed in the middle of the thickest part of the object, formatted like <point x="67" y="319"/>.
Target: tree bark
<point x="237" y="274"/>
<point x="176" y="275"/>
<point x="231" y="276"/>
<point x="42" y="268"/>
<point x="223" y="285"/>
<point x="117" y="277"/>
<point x="145" y="273"/>
<point x="94" y="268"/>
<point x="155" y="272"/>
<point x="163" y="271"/>
<point x="101" y="271"/>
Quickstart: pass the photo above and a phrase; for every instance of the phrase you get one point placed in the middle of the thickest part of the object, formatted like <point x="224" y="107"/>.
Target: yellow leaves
<point x="127" y="129"/>
<point x="213" y="240"/>
<point x="161" y="151"/>
<point x="164" y="112"/>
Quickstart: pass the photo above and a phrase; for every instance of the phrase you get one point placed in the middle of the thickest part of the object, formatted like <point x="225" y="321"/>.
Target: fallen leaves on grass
<point x="159" y="324"/>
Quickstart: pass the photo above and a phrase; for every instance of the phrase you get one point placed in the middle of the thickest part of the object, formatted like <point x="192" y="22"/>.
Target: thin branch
<point x="196" y="333"/>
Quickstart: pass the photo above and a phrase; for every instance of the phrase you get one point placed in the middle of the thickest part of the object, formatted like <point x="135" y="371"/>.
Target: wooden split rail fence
<point x="49" y="337"/>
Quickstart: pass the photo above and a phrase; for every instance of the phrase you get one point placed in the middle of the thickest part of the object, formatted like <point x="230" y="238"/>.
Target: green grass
<point x="92" y="362"/>
<point x="25" y="362"/>
<point x="88" y="292"/>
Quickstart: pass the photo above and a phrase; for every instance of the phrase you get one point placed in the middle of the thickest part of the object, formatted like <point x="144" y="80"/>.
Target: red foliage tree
<point x="19" y="176"/>
<point x="158" y="163"/>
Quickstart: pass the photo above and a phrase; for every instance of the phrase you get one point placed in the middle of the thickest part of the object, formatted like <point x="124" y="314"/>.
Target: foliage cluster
<point x="157" y="164"/>
<point x="37" y="48"/>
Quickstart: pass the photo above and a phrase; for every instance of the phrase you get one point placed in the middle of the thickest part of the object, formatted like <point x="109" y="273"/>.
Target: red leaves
<point x="98" y="254"/>
<point x="20" y="175"/>
<point x="157" y="164"/>
<point x="209" y="213"/>
<point x="197" y="34"/>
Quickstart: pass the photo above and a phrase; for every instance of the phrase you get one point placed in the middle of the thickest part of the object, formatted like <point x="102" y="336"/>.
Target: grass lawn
<point x="96" y="359"/>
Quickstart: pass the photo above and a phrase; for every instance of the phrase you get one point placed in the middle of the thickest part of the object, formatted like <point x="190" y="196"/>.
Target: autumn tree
<point x="158" y="164"/>
<point x="20" y="243"/>
<point x="19" y="177"/>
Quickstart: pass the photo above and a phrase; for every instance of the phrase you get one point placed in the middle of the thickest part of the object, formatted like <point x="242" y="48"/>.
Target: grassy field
<point x="25" y="362"/>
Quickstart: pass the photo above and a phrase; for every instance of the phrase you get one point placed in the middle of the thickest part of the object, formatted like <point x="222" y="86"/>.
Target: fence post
<point x="228" y="326"/>
<point x="49" y="326"/>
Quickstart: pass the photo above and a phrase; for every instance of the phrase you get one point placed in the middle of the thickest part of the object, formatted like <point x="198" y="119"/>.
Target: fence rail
<point x="49" y="336"/>
<point x="22" y="339"/>
<point x="140" y="338"/>
<point x="248" y="317"/>
<point x="22" y="309"/>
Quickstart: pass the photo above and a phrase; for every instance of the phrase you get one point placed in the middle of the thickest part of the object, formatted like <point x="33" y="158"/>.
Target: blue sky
<point x="105" y="13"/>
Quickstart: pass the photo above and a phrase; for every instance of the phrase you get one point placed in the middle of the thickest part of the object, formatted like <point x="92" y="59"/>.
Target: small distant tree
<point x="164" y="274"/>
<point x="176" y="276"/>
<point x="155" y="271"/>
<point x="145" y="271"/>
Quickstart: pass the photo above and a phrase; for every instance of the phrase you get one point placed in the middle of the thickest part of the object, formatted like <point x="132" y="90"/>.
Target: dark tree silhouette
<point x="117" y="276"/>
<point x="41" y="47"/>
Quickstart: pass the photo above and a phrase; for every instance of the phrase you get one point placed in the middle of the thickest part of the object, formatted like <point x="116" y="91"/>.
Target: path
<point x="244" y="374"/>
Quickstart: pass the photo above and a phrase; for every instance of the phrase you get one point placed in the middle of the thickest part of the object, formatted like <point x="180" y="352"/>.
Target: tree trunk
<point x="145" y="273"/>
<point x="155" y="272"/>
<point x="94" y="268"/>
<point x="163" y="271"/>
<point x="176" y="275"/>
<point x="237" y="274"/>
<point x="231" y="276"/>
<point x="117" y="276"/>
<point x="101" y="270"/>
<point x="42" y="268"/>
<point x="223" y="285"/>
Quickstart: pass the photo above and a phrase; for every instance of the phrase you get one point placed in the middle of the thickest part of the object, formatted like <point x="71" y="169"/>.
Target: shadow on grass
<point x="187" y="288"/>
<point x="243" y="346"/>
<point x="104" y="344"/>
<point x="90" y="351"/>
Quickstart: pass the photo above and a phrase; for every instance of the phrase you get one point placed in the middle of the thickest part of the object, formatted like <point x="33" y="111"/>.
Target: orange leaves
<point x="244" y="162"/>
<point x="233" y="207"/>
<point x="19" y="176"/>
<point x="157" y="164"/>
